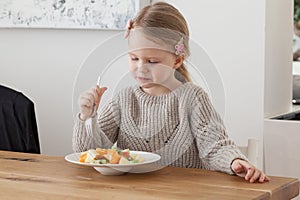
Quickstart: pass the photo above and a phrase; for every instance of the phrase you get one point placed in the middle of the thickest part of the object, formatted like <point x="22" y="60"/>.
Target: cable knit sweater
<point x="182" y="126"/>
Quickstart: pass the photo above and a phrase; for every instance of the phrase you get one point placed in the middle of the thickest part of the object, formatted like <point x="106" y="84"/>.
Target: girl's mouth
<point x="143" y="79"/>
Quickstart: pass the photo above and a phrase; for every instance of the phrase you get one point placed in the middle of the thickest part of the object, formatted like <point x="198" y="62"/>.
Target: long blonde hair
<point x="162" y="16"/>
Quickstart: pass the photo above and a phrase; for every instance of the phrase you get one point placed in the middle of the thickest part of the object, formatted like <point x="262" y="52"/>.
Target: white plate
<point x="147" y="165"/>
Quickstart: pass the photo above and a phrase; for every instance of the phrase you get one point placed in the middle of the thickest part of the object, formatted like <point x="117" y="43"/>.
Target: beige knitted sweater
<point x="182" y="126"/>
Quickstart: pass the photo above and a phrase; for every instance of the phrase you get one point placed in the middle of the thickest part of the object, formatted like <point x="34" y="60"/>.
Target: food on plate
<point x="109" y="156"/>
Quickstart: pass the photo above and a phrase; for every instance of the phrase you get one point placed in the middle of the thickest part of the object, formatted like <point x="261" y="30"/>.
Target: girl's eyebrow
<point x="149" y="57"/>
<point x="132" y="54"/>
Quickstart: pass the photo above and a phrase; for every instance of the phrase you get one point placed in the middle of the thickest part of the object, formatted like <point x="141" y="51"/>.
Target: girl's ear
<point x="178" y="62"/>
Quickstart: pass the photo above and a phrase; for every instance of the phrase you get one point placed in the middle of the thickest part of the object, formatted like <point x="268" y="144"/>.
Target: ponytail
<point x="184" y="75"/>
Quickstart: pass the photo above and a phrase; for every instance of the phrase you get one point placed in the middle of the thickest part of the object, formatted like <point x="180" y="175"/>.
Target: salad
<point x="109" y="156"/>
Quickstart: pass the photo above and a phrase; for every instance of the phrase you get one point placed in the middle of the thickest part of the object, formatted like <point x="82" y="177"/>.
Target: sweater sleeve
<point x="216" y="150"/>
<point x="104" y="129"/>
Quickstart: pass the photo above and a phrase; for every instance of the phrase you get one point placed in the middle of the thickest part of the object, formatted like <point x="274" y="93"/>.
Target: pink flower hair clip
<point x="179" y="47"/>
<point x="129" y="26"/>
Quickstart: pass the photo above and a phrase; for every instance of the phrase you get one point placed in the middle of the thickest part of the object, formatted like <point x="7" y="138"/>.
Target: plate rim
<point x="158" y="157"/>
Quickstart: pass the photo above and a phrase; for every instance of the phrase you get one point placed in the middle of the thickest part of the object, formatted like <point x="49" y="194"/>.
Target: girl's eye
<point x="134" y="59"/>
<point x="152" y="61"/>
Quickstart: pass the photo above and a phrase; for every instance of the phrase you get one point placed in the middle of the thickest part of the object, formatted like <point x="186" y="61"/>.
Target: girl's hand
<point x="243" y="168"/>
<point x="89" y="101"/>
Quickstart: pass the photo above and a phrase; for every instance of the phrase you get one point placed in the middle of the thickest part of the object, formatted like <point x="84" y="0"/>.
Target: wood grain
<point x="32" y="176"/>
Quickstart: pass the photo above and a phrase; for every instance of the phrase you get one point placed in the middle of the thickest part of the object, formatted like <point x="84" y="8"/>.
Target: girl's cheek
<point x="132" y="67"/>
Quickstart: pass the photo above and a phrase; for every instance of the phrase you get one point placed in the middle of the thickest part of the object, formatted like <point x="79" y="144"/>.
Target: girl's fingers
<point x="89" y="96"/>
<point x="85" y="102"/>
<point x="250" y="172"/>
<point x="255" y="176"/>
<point x="249" y="169"/>
<point x="245" y="169"/>
<point x="99" y="92"/>
<point x="262" y="178"/>
<point x="102" y="90"/>
<point x="96" y="96"/>
<point x="89" y="101"/>
<point x="238" y="168"/>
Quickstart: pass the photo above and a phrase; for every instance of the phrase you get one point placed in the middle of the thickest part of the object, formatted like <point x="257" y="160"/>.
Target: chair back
<point x="251" y="151"/>
<point x="18" y="128"/>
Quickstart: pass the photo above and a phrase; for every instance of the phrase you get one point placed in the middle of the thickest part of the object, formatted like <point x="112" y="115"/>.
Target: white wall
<point x="43" y="63"/>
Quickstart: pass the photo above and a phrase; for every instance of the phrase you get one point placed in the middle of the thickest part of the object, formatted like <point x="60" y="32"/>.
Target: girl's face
<point x="153" y="68"/>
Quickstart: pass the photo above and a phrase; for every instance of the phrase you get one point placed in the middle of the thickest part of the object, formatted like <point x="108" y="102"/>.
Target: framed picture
<point x="68" y="14"/>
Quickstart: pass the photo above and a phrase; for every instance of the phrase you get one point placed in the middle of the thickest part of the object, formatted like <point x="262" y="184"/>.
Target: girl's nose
<point x="142" y="67"/>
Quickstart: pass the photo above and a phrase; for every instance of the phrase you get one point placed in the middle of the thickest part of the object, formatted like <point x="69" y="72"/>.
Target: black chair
<point x="18" y="128"/>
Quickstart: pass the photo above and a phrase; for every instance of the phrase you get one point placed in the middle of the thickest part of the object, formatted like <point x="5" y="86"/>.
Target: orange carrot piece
<point x="101" y="152"/>
<point x="82" y="157"/>
<point x="115" y="158"/>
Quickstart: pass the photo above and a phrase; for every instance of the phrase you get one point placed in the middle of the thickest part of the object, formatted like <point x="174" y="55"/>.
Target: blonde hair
<point x="160" y="17"/>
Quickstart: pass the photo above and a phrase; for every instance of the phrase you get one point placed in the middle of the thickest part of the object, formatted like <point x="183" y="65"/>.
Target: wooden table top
<point x="32" y="176"/>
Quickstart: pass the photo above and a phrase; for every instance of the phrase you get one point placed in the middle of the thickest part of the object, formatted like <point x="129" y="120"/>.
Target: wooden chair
<point x="251" y="151"/>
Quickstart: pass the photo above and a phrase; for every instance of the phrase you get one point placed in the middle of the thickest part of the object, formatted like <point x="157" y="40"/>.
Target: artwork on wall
<point x="74" y="14"/>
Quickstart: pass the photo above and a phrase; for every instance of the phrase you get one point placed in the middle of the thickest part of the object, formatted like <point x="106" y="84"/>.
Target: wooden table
<point x="31" y="176"/>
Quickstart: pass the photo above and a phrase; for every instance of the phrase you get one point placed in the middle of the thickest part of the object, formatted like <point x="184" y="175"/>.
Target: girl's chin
<point x="146" y="85"/>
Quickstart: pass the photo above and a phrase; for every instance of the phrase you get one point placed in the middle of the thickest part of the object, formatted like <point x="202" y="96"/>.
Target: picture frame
<point x="69" y="14"/>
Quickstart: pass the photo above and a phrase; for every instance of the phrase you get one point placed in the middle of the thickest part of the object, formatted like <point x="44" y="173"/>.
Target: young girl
<point x="165" y="113"/>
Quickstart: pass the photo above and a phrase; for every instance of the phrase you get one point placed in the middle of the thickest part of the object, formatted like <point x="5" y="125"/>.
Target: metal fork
<point x="88" y="122"/>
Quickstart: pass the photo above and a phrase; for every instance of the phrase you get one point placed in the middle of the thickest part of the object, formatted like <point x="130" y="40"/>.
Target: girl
<point x="165" y="113"/>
